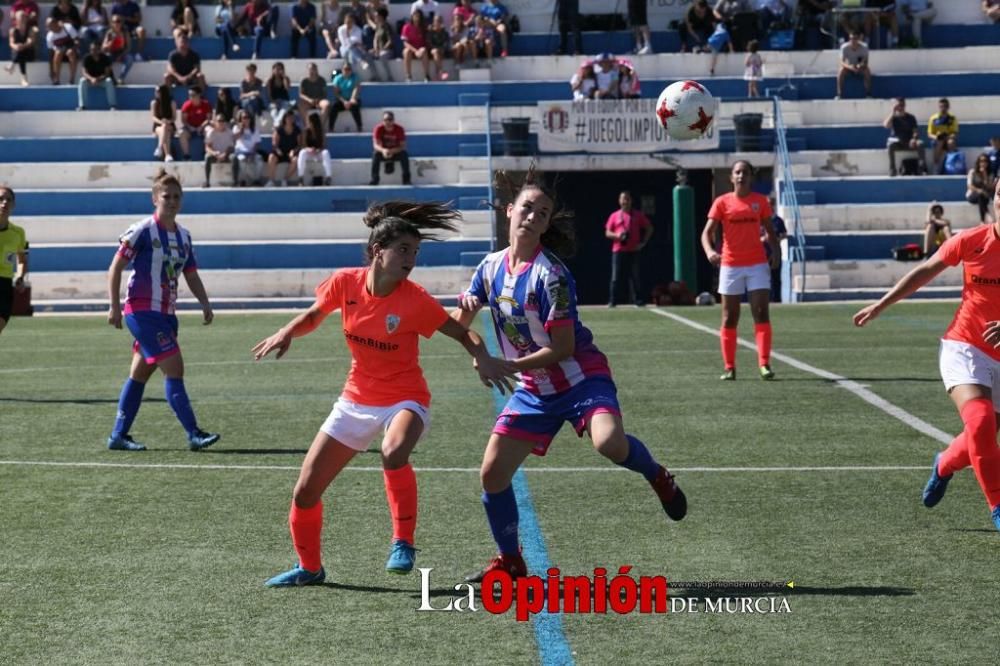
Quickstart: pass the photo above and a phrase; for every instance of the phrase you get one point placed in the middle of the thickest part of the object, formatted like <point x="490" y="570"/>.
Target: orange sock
<point x="955" y="457"/>
<point x="728" y="337"/>
<point x="306" y="526"/>
<point x="401" y="491"/>
<point x="762" y="334"/>
<point x="981" y="436"/>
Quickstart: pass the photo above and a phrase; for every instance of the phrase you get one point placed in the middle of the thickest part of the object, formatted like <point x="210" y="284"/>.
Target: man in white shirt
<point x="426" y="7"/>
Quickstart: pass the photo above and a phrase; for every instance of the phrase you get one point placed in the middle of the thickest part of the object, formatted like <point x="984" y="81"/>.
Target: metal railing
<point x="489" y="172"/>
<point x="789" y="201"/>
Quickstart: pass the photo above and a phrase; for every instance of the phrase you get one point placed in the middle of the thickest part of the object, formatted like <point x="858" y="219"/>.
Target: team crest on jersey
<point x="391" y="323"/>
<point x="755" y="207"/>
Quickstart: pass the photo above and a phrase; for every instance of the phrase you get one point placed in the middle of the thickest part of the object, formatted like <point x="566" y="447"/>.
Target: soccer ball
<point x="686" y="110"/>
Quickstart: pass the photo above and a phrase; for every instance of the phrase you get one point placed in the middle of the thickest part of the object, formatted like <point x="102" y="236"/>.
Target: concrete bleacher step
<point x="894" y="216"/>
<point x="226" y="284"/>
<point x="841" y="190"/>
<point x="867" y="162"/>
<point x="859" y="137"/>
<point x="346" y="172"/>
<point x="874" y="293"/>
<point x="872" y="112"/>
<point x="867" y="273"/>
<point x="219" y="228"/>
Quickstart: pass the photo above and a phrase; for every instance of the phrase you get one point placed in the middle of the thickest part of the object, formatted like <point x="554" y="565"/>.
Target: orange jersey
<point x="741" y="218"/>
<point x="978" y="250"/>
<point x="382" y="334"/>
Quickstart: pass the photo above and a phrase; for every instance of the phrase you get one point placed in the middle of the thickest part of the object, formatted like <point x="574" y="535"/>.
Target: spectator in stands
<point x="415" y="46"/>
<point x="980" y="185"/>
<point x="904" y="134"/>
<point x="22" y="39"/>
<point x="937" y="228"/>
<point x="993" y="153"/>
<point x="427" y="9"/>
<point x="184" y="65"/>
<point x="95" y="22"/>
<point x="313" y="96"/>
<point x="698" y="26"/>
<point x="992" y="10"/>
<point x="717" y="41"/>
<point x="499" y="19"/>
<point x="940" y="126"/>
<point x="259" y="19"/>
<point x="458" y="39"/>
<point x="368" y="25"/>
<point x="389" y="143"/>
<point x="329" y="21"/>
<point x="629" y="230"/>
<point x="163" y="111"/>
<point x="303" y="24"/>
<point x="96" y="73"/>
<point x="780" y="234"/>
<point x="915" y="14"/>
<point x="352" y="44"/>
<point x="886" y="15"/>
<point x="279" y="93"/>
<point x="346" y="96"/>
<point x="753" y="68"/>
<point x="252" y="93"/>
<point x="225" y="105"/>
<point x="775" y="13"/>
<point x="314" y="150"/>
<point x="569" y="19"/>
<point x="640" y="26"/>
<point x="628" y="80"/>
<point x="606" y="74"/>
<point x="482" y="40"/>
<point x="62" y="41"/>
<point x="812" y="13"/>
<point x="854" y="61"/>
<point x="247" y="158"/>
<point x="118" y="46"/>
<point x="219" y="146"/>
<point x="224" y="17"/>
<point x="438" y="41"/>
<point x="859" y="20"/>
<point x="131" y="14"/>
<point x="953" y="163"/>
<point x="196" y="118"/>
<point x="185" y="17"/>
<point x="383" y="45"/>
<point x="286" y="141"/>
<point x="740" y="20"/>
<point x="31" y="13"/>
<point x="465" y="12"/>
<point x="65" y="12"/>
<point x="584" y="83"/>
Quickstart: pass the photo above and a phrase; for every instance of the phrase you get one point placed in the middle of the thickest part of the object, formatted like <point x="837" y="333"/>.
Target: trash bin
<point x="747" y="126"/>
<point x="515" y="136"/>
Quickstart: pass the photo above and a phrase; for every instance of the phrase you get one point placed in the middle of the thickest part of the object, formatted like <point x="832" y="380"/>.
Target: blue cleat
<point x="401" y="557"/>
<point x="996" y="516"/>
<point x="124" y="443"/>
<point x="199" y="439"/>
<point x="296" y="577"/>
<point x="936" y="485"/>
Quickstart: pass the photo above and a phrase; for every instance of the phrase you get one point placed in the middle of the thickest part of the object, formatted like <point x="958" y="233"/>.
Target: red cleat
<point x="671" y="496"/>
<point x="513" y="564"/>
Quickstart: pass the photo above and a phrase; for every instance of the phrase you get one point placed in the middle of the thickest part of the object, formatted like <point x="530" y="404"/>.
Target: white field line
<point x="461" y="470"/>
<point x="860" y="391"/>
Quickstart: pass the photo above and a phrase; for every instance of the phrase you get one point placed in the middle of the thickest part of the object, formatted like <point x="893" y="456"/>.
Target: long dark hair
<point x="390" y="220"/>
<point x="560" y="237"/>
<point x="164" y="102"/>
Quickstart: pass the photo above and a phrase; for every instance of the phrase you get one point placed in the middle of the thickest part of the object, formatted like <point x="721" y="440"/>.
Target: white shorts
<point x="961" y="363"/>
<point x="737" y="280"/>
<point x="355" y="425"/>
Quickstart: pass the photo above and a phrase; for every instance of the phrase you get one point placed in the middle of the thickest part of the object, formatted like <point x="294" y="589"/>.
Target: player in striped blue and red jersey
<point x="159" y="250"/>
<point x="969" y="359"/>
<point x="563" y="376"/>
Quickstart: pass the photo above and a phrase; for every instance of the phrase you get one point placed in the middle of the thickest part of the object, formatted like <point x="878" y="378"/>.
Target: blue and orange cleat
<point x="124" y="443"/>
<point x="671" y="496"/>
<point x="995" y="514"/>
<point x="401" y="557"/>
<point x="936" y="485"/>
<point x="296" y="577"/>
<point x="199" y="439"/>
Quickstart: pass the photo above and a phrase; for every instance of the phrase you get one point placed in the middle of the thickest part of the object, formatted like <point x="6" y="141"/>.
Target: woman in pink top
<point x="969" y="360"/>
<point x="414" y="36"/>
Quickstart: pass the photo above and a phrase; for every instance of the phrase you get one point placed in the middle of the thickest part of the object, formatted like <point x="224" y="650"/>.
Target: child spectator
<point x="278" y="93"/>
<point x="131" y="14"/>
<point x="347" y="96"/>
<point x="304" y="25"/>
<point x="718" y="40"/>
<point x="584" y="83"/>
<point x="498" y="17"/>
<point x="415" y="46"/>
<point x="286" y="141"/>
<point x="219" y="146"/>
<point x="247" y="159"/>
<point x="606" y="75"/>
<point x="979" y="183"/>
<point x="458" y="35"/>
<point x="937" y="229"/>
<point x="628" y="81"/>
<point x="196" y="114"/>
<point x="163" y="111"/>
<point x="224" y="27"/>
<point x="185" y="18"/>
<point x="482" y="40"/>
<point x="96" y="72"/>
<point x="753" y="68"/>
<point x="21" y="38"/>
<point x="437" y="41"/>
<point x="62" y="41"/>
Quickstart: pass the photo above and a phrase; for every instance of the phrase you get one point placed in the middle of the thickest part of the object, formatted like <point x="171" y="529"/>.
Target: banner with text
<point x="609" y="126"/>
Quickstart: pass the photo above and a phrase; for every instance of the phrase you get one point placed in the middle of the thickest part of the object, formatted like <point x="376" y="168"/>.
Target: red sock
<point x="306" y="526"/>
<point x="401" y="491"/>
<point x="728" y="337"/>
<point x="955" y="457"/>
<point x="981" y="436"/>
<point x="762" y="334"/>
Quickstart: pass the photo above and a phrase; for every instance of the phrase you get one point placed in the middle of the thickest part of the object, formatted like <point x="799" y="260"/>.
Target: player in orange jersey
<point x="969" y="359"/>
<point x="744" y="265"/>
<point x="383" y="315"/>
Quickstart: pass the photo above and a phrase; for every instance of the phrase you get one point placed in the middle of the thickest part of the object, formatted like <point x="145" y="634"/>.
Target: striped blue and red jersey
<point x="158" y="257"/>
<point x="525" y="308"/>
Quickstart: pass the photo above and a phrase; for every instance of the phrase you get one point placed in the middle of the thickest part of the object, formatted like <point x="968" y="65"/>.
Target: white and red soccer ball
<point x="686" y="110"/>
